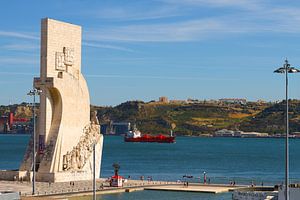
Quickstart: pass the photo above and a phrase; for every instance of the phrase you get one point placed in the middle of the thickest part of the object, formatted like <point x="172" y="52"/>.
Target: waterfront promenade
<point x="203" y="188"/>
<point x="74" y="188"/>
<point x="65" y="190"/>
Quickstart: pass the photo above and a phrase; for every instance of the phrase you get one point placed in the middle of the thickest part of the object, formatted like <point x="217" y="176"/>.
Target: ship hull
<point x="151" y="139"/>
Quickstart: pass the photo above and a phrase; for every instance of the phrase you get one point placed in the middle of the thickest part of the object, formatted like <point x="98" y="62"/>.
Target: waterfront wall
<point x="14" y="175"/>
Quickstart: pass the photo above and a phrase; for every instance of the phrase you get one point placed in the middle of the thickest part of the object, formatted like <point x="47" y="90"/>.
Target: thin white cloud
<point x="282" y="20"/>
<point x="154" y="77"/>
<point x="18" y="73"/>
<point x="166" y="9"/>
<point x="245" y="17"/>
<point x="18" y="35"/>
<point x="272" y="20"/>
<point x="246" y="4"/>
<point x="128" y="76"/>
<point x="18" y="60"/>
<point x="20" y="46"/>
<point x="168" y="32"/>
<point x="107" y="46"/>
<point x="13" y="82"/>
<point x="134" y="14"/>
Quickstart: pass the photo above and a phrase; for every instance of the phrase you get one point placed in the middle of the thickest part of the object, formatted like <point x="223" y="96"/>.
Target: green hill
<point x="190" y="119"/>
<point x="272" y="119"/>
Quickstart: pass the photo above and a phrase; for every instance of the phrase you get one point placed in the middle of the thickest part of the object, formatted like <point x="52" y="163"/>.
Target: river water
<point x="242" y="160"/>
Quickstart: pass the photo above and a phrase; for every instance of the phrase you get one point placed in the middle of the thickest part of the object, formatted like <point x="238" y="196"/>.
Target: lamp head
<point x="286" y="68"/>
<point x="280" y="70"/>
<point x="34" y="92"/>
<point x="293" y="70"/>
<point x="30" y="93"/>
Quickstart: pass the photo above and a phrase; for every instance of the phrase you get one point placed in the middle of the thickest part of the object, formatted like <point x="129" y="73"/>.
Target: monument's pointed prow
<point x="65" y="133"/>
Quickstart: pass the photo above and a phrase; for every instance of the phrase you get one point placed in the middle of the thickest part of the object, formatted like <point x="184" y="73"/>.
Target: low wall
<point x="15" y="175"/>
<point x="63" y="176"/>
<point x="72" y="176"/>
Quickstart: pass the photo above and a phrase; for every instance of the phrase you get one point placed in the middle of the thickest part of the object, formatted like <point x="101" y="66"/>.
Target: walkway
<point x="64" y="190"/>
<point x="196" y="188"/>
<point x="76" y="187"/>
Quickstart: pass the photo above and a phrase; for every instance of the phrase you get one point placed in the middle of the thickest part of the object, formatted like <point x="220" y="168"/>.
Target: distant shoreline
<point x="200" y="136"/>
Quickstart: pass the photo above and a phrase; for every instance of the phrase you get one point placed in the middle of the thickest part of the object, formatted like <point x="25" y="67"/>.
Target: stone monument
<point x="66" y="132"/>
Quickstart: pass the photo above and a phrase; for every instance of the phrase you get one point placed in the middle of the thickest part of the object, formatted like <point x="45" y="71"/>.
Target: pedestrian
<point x="204" y="177"/>
<point x="234" y="183"/>
<point x="208" y="180"/>
<point x="187" y="184"/>
<point x="262" y="184"/>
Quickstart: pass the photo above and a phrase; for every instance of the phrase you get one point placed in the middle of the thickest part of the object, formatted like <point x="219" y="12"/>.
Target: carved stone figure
<point x="95" y="118"/>
<point x="83" y="150"/>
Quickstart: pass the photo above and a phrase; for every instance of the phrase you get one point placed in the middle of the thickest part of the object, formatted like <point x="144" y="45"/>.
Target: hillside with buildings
<point x="189" y="117"/>
<point x="15" y="118"/>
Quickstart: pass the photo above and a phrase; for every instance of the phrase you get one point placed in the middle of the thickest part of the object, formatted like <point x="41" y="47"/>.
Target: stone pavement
<point x="24" y="188"/>
<point x="61" y="188"/>
<point x="87" y="186"/>
<point x="195" y="188"/>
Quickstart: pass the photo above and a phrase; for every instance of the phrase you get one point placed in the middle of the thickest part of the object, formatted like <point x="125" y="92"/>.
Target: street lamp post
<point x="34" y="93"/>
<point x="286" y="68"/>
<point x="94" y="171"/>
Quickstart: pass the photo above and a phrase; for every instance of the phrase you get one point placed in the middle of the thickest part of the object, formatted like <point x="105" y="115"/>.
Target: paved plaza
<point x="74" y="187"/>
<point x="63" y="190"/>
<point x="195" y="188"/>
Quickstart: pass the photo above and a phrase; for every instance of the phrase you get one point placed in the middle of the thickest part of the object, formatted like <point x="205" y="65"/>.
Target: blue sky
<point x="143" y="49"/>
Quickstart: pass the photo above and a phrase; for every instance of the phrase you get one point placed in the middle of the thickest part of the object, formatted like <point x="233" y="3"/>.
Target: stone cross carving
<point x="69" y="56"/>
<point x="63" y="59"/>
<point x="59" y="61"/>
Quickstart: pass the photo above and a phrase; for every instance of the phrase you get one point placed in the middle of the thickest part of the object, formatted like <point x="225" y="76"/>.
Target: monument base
<point x="11" y="175"/>
<point x="64" y="176"/>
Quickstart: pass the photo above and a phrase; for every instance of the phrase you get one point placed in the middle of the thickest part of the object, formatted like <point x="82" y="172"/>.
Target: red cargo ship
<point x="135" y="136"/>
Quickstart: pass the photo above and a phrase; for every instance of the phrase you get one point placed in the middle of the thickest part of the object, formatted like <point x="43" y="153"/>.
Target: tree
<point x="116" y="167"/>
